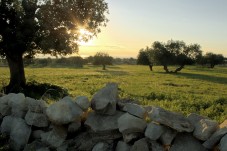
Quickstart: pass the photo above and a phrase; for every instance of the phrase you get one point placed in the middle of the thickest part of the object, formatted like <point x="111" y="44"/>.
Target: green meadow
<point x="194" y="89"/>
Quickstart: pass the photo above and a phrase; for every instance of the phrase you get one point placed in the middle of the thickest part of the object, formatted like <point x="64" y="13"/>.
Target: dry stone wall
<point x="105" y="123"/>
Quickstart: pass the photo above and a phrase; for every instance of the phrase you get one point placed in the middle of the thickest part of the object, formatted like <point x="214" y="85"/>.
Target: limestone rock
<point x="64" y="111"/>
<point x="105" y="100"/>
<point x="103" y="123"/>
<point x="55" y="137"/>
<point x="122" y="146"/>
<point x="223" y="143"/>
<point x="154" y="131"/>
<point x="216" y="136"/>
<point x="101" y="146"/>
<point x="36" y="119"/>
<point x="186" y="142"/>
<point x="168" y="136"/>
<point x="37" y="106"/>
<point x="171" y="119"/>
<point x="135" y="110"/>
<point x="140" y="145"/>
<point x="18" y="130"/>
<point x="128" y="123"/>
<point x="83" y="102"/>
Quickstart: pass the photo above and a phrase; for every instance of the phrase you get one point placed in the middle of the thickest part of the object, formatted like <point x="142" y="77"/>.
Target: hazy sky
<point x="135" y="24"/>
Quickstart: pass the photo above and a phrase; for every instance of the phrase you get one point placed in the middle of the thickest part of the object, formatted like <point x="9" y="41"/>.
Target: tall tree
<point x="144" y="58"/>
<point x="45" y="26"/>
<point x="212" y="59"/>
<point x="174" y="53"/>
<point x="103" y="59"/>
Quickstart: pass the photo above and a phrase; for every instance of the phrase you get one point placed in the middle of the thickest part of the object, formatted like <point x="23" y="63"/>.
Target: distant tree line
<point x="175" y="52"/>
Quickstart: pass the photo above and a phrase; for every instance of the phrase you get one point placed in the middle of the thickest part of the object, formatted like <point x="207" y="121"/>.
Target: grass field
<point x="194" y="89"/>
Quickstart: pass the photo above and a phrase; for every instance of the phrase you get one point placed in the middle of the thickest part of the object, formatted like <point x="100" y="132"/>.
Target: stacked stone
<point x="104" y="124"/>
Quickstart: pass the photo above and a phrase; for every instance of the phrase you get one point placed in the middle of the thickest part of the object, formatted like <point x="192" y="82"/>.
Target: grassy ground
<point x="194" y="89"/>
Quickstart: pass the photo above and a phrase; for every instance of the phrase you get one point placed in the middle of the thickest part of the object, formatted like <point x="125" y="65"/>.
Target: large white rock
<point x="128" y="123"/>
<point x="154" y="131"/>
<point x="5" y="109"/>
<point x="18" y="130"/>
<point x="171" y="119"/>
<point x="83" y="102"/>
<point x="37" y="106"/>
<point x="64" y="111"/>
<point x="36" y="119"/>
<point x="105" y="100"/>
<point x="135" y="110"/>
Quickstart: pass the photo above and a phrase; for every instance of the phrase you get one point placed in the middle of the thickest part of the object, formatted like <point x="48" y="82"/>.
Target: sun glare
<point x="84" y="33"/>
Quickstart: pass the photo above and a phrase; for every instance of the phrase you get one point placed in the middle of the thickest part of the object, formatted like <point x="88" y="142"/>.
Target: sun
<point x="84" y="34"/>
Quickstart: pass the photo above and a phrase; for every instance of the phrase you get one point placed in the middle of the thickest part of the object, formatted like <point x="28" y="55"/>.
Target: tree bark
<point x="17" y="74"/>
<point x="151" y="67"/>
<point x="103" y="67"/>
<point x="166" y="68"/>
<point x="179" y="69"/>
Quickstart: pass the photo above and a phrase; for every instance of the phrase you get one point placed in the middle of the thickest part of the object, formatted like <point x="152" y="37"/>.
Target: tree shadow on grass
<point x="214" y="79"/>
<point x="113" y="72"/>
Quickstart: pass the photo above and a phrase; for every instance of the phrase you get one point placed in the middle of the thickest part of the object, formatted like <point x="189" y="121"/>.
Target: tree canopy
<point x="211" y="59"/>
<point x="48" y="27"/>
<point x="103" y="59"/>
<point x="143" y="57"/>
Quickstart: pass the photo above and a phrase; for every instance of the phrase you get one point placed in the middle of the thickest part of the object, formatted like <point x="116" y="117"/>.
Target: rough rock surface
<point x="105" y="100"/>
<point x="36" y="119"/>
<point x="140" y="145"/>
<point x="37" y="106"/>
<point x="128" y="123"/>
<point x="223" y="143"/>
<point x="135" y="110"/>
<point x="101" y="146"/>
<point x="171" y="119"/>
<point x="74" y="127"/>
<point x="154" y="131"/>
<point x="72" y="112"/>
<point x="122" y="146"/>
<point x="83" y="102"/>
<point x="168" y="136"/>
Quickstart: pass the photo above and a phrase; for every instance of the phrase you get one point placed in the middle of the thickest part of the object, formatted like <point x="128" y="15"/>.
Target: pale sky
<point x="135" y="24"/>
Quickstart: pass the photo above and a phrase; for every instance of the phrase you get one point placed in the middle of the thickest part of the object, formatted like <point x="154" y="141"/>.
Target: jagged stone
<point x="101" y="146"/>
<point x="18" y="130"/>
<point x="5" y="109"/>
<point x="103" y="123"/>
<point x="135" y="110"/>
<point x="128" y="123"/>
<point x="105" y="100"/>
<point x="74" y="127"/>
<point x="36" y="119"/>
<point x="154" y="146"/>
<point x="131" y="137"/>
<point x="37" y="106"/>
<point x="140" y="145"/>
<point x="223" y="143"/>
<point x="171" y="119"/>
<point x="83" y="102"/>
<point x="72" y="111"/>
<point x="154" y="131"/>
<point x="122" y="146"/>
<point x="216" y="136"/>
<point x="55" y="137"/>
<point x="168" y="136"/>
<point x="186" y="142"/>
<point x="36" y="146"/>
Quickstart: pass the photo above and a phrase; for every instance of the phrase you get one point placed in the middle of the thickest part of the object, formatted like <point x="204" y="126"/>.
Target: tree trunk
<point x="151" y="67"/>
<point x="17" y="75"/>
<point x="103" y="67"/>
<point x="166" y="68"/>
<point x="179" y="69"/>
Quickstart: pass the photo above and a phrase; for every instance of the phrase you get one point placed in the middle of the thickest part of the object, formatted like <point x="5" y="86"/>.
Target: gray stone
<point x="74" y="127"/>
<point x="216" y="136"/>
<point x="18" y="130"/>
<point x="186" y="142"/>
<point x="101" y="146"/>
<point x="5" y="109"/>
<point x="37" y="134"/>
<point x="195" y="118"/>
<point x="130" y="137"/>
<point x="204" y="129"/>
<point x="122" y="146"/>
<point x="83" y="102"/>
<point x="63" y="147"/>
<point x="64" y="112"/>
<point x="128" y="123"/>
<point x="55" y="137"/>
<point x="171" y="119"/>
<point x="135" y="110"/>
<point x="37" y="106"/>
<point x="105" y="100"/>
<point x="18" y="104"/>
<point x="36" y="146"/>
<point x="140" y="145"/>
<point x="154" y="146"/>
<point x="103" y="123"/>
<point x="168" y="136"/>
<point x="154" y="131"/>
<point x="223" y="143"/>
<point x="36" y="119"/>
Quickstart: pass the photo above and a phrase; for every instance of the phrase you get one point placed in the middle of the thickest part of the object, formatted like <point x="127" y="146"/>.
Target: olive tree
<point x="50" y="27"/>
<point x="103" y="59"/>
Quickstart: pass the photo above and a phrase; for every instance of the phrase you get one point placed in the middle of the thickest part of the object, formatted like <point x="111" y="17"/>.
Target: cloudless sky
<point x="135" y="24"/>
